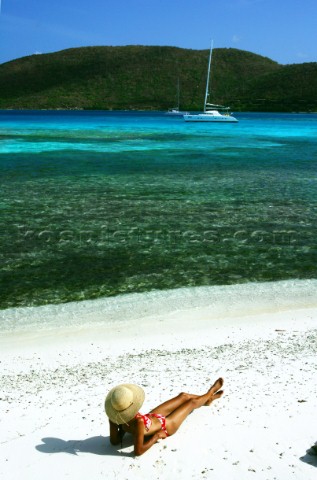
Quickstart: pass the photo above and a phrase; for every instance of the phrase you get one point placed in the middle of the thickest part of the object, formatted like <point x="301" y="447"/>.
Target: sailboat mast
<point x="208" y="75"/>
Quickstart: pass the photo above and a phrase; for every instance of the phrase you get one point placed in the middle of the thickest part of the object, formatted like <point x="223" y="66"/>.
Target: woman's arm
<point x="141" y="446"/>
<point x="116" y="433"/>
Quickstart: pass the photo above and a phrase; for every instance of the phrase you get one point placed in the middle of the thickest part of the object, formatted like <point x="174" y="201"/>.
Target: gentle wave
<point x="222" y="301"/>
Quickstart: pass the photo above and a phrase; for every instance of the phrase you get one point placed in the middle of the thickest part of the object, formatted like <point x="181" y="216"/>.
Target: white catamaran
<point x="211" y="113"/>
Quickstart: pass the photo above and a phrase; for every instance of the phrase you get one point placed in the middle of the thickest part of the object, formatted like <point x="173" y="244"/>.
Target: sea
<point x="96" y="204"/>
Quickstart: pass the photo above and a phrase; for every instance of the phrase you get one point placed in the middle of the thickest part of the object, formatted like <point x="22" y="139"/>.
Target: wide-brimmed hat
<point x="123" y="402"/>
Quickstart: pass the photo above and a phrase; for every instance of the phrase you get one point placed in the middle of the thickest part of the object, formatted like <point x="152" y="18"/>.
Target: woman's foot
<point x="215" y="391"/>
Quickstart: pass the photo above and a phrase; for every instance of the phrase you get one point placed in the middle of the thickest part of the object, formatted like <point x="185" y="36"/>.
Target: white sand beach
<point x="58" y="363"/>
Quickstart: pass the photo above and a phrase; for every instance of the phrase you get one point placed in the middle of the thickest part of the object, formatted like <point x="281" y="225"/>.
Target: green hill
<point x="291" y="88"/>
<point x="144" y="78"/>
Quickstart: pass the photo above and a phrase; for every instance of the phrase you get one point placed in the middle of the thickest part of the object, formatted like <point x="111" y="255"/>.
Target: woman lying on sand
<point x="122" y="406"/>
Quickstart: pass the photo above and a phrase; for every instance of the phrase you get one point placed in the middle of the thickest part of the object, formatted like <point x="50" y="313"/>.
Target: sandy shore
<point x="54" y="380"/>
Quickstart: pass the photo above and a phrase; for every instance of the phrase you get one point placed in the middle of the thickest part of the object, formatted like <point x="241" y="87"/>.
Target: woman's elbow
<point x="138" y="451"/>
<point x="114" y="442"/>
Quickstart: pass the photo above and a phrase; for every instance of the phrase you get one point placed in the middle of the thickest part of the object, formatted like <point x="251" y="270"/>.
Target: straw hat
<point x="123" y="402"/>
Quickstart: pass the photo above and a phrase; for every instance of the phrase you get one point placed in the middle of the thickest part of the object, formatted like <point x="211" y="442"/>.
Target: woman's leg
<point x="176" y="418"/>
<point x="170" y="406"/>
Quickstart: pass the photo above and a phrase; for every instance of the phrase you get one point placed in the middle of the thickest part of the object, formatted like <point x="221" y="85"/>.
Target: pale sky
<point x="283" y="30"/>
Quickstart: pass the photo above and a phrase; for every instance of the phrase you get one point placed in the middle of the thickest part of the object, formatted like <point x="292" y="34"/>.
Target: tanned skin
<point x="175" y="411"/>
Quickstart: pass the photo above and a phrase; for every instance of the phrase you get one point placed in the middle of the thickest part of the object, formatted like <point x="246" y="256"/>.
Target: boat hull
<point x="210" y="118"/>
<point x="176" y="113"/>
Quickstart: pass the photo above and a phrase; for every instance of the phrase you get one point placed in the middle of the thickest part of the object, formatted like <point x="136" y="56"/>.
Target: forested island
<point x="146" y="78"/>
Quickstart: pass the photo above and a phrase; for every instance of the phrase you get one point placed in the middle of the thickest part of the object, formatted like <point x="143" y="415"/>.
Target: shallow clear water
<point x="99" y="203"/>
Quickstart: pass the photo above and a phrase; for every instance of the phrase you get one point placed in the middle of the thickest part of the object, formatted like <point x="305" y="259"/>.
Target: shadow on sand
<point x="311" y="456"/>
<point x="95" y="445"/>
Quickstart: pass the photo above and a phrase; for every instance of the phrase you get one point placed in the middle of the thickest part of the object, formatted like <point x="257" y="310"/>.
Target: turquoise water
<point x="100" y="203"/>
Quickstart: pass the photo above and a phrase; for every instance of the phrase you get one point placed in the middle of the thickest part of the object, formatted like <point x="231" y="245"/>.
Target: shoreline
<point x="54" y="382"/>
<point x="221" y="301"/>
<point x="191" y="310"/>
